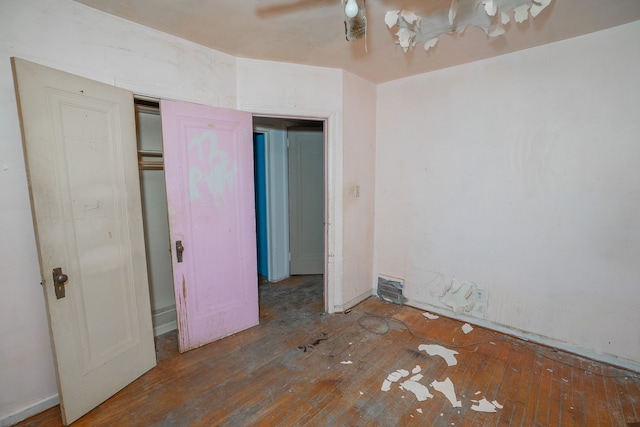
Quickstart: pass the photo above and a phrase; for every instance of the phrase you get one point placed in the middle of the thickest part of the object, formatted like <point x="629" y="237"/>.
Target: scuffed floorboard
<point x="288" y="371"/>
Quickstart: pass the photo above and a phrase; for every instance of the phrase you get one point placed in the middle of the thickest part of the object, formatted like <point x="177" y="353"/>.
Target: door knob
<point x="59" y="279"/>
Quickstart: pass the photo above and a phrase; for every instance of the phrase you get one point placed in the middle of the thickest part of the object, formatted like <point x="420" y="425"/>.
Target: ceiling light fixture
<point x="351" y="9"/>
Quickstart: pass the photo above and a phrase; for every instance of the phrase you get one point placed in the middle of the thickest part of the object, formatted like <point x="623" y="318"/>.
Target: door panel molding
<point x="79" y="138"/>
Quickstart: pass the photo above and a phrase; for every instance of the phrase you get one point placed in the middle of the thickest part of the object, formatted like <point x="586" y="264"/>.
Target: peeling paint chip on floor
<point x="446" y="387"/>
<point x="466" y="328"/>
<point x="392" y="378"/>
<point x="438" y="350"/>
<point x="430" y="316"/>
<point x="416" y="377"/>
<point x="346" y="362"/>
<point x="421" y="391"/>
<point x="483" y="406"/>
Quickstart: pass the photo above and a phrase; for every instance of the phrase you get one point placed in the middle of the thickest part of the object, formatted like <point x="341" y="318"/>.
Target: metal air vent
<point x="390" y="290"/>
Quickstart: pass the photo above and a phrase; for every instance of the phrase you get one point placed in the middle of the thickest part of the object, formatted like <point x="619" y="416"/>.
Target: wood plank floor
<point x="289" y="370"/>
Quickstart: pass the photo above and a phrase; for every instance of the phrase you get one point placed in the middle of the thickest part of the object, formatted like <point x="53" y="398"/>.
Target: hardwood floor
<point x="293" y="369"/>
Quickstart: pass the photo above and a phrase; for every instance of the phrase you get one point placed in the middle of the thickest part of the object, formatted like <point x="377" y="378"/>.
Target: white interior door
<point x="80" y="147"/>
<point x="208" y="163"/>
<point x="306" y="200"/>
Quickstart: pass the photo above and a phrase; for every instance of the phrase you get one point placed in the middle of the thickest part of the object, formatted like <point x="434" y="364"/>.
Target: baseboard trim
<point x="29" y="411"/>
<point x="609" y="359"/>
<point x="354" y="301"/>
<point x="164" y="320"/>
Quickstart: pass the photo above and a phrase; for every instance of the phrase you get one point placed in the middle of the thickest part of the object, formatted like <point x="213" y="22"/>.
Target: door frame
<point x="332" y="188"/>
<point x="277" y="205"/>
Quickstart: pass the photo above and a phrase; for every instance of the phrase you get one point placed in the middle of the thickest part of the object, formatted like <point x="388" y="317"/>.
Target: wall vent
<point x="390" y="290"/>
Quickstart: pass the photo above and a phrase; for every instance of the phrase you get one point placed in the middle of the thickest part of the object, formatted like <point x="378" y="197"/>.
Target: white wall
<point x="359" y="148"/>
<point x="348" y="104"/>
<point x="74" y="38"/>
<point x="521" y="173"/>
<point x="290" y="90"/>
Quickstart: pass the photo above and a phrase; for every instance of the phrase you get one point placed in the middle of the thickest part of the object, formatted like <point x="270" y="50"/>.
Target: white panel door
<point x="80" y="148"/>
<point x="306" y="200"/>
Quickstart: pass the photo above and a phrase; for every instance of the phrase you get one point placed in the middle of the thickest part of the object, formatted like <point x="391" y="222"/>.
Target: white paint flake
<point x="489" y="15"/>
<point x="405" y="37"/>
<point x="391" y="18"/>
<point x="409" y="16"/>
<point x="438" y="350"/>
<point x="430" y="43"/>
<point x="395" y="376"/>
<point x="490" y="6"/>
<point x="496" y="404"/>
<point x="466" y="328"/>
<point x="453" y="11"/>
<point x="346" y="362"/>
<point x="538" y="6"/>
<point x="392" y="378"/>
<point x="446" y="387"/>
<point x="417" y="377"/>
<point x="521" y="13"/>
<point x="429" y="315"/>
<point x="421" y="391"/>
<point x="416" y="370"/>
<point x="484" y="406"/>
<point x="477" y="392"/>
<point x="496" y="31"/>
<point x="419" y="410"/>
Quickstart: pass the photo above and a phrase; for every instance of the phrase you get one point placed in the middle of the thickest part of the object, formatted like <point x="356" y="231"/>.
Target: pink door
<point x="209" y="172"/>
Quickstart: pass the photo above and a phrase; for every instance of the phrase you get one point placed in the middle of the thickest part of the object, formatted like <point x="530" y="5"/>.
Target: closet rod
<point x="145" y="165"/>
<point x="143" y="153"/>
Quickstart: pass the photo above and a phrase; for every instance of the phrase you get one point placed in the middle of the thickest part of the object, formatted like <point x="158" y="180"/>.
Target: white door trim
<point x="333" y="189"/>
<point x="277" y="201"/>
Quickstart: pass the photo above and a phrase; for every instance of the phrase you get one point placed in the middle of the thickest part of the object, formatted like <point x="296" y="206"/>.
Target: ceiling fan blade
<point x="278" y="9"/>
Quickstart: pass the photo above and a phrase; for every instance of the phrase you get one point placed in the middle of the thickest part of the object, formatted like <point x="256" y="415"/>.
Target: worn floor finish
<point x="288" y="371"/>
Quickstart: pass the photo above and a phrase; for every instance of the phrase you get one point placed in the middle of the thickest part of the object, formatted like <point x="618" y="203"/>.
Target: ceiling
<point x="311" y="32"/>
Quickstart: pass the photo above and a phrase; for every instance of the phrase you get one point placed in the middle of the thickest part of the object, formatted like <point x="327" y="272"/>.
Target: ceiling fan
<point x="355" y="20"/>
